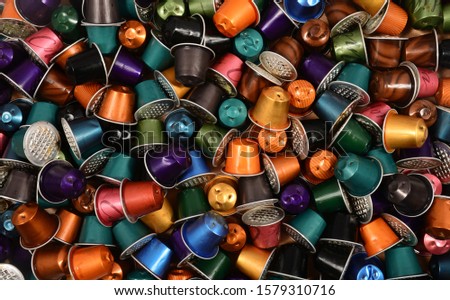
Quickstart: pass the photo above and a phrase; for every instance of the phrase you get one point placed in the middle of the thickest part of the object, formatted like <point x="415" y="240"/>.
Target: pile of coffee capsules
<point x="235" y="139"/>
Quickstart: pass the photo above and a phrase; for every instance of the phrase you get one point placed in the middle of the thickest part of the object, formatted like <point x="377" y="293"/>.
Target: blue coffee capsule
<point x="361" y="268"/>
<point x="232" y="113"/>
<point x="331" y="107"/>
<point x="303" y="10"/>
<point x="84" y="136"/>
<point x="198" y="173"/>
<point x="179" y="125"/>
<point x="203" y="235"/>
<point x="440" y="130"/>
<point x="11" y="117"/>
<point x="154" y="257"/>
<point x="440" y="266"/>
<point x="7" y="228"/>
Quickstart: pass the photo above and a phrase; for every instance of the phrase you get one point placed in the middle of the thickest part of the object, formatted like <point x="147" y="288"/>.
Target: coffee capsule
<point x="232" y="17"/>
<point x="302" y="11"/>
<point x="70" y="226"/>
<point x="139" y="198"/>
<point x="248" y="44"/>
<point x="131" y="237"/>
<point x="107" y="205"/>
<point x="332" y="261"/>
<point x="437" y="218"/>
<point x="214" y="269"/>
<point x="378" y="237"/>
<point x="211" y="227"/>
<point x="306" y="229"/>
<point x="50" y="262"/>
<point x="35" y="226"/>
<point x="254" y="262"/>
<point x="250" y="197"/>
<point x="242" y="158"/>
<point x="352" y="171"/>
<point x="90" y="263"/>
<point x="361" y="268"/>
<point x="94" y="233"/>
<point x="402" y="263"/>
<point x="264" y="224"/>
<point x="221" y="192"/>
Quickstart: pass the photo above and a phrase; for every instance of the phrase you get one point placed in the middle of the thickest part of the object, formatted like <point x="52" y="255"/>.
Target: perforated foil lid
<point x="442" y="151"/>
<point x="10" y="272"/>
<point x="263" y="216"/>
<point x="271" y="174"/>
<point x="154" y="109"/>
<point x="346" y="24"/>
<point x="300" y="141"/>
<point x="401" y="229"/>
<point x="4" y="171"/>
<point x="362" y="207"/>
<point x="278" y="66"/>
<point x="41" y="143"/>
<point x="70" y="138"/>
<point x="95" y="163"/>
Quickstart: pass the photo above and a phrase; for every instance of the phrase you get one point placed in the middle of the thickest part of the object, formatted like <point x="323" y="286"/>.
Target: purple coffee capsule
<point x="126" y="69"/>
<point x="58" y="181"/>
<point x="37" y="12"/>
<point x="25" y="77"/>
<point x="275" y="22"/>
<point x="180" y="248"/>
<point x="418" y="158"/>
<point x="320" y="71"/>
<point x="5" y="248"/>
<point x="166" y="164"/>
<point x="11" y="54"/>
<point x="294" y="198"/>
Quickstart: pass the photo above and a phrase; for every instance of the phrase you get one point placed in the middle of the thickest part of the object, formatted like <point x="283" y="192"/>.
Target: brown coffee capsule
<point x="70" y="226"/>
<point x="132" y="34"/>
<point x="423" y="109"/>
<point x="85" y="203"/>
<point x="314" y="35"/>
<point x="50" y="262"/>
<point x="438" y="218"/>
<point x="35" y="226"/>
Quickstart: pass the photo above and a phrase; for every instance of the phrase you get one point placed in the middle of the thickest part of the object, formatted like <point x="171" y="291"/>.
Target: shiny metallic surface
<point x="235" y="239"/>
<point x="90" y="263"/>
<point x="41" y="143"/>
<point x="35" y="226"/>
<point x="271" y="109"/>
<point x="254" y="262"/>
<point x="132" y="34"/>
<point x="403" y="132"/>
